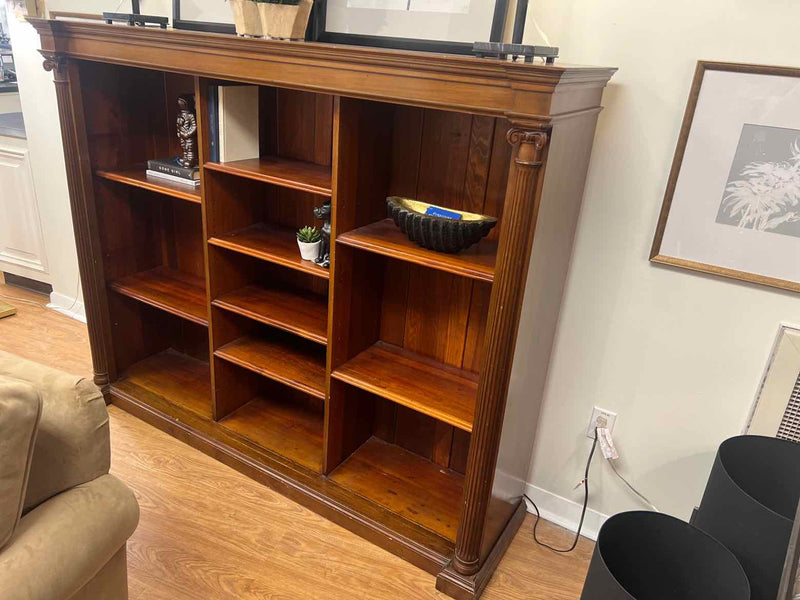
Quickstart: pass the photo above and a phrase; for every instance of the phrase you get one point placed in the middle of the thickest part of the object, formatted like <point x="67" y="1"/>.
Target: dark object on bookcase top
<point x="324" y="214"/>
<point x="515" y="51"/>
<point x="642" y="555"/>
<point x="437" y="228"/>
<point x="187" y="130"/>
<point x="134" y="19"/>
<point x="750" y="503"/>
<point x="520" y="17"/>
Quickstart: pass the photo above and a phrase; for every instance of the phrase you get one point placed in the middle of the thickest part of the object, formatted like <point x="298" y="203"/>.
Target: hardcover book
<point x="173" y="178"/>
<point x="237" y="122"/>
<point x="171" y="166"/>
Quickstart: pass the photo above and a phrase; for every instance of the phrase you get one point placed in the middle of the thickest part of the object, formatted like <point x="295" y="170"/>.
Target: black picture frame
<point x="178" y="23"/>
<point x="318" y="33"/>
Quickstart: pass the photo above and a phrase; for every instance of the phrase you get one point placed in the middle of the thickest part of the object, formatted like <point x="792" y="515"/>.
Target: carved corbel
<point x="55" y="62"/>
<point x="531" y="144"/>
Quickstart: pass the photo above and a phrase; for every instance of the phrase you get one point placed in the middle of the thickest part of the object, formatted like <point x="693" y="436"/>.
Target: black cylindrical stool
<point x="750" y="503"/>
<point x="649" y="556"/>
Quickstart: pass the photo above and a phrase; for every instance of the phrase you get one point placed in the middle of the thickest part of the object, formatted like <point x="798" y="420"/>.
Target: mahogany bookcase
<point x="375" y="392"/>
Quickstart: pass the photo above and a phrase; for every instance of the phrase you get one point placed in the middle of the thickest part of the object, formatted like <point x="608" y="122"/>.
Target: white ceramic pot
<point x="309" y="250"/>
<point x="246" y="18"/>
<point x="285" y="21"/>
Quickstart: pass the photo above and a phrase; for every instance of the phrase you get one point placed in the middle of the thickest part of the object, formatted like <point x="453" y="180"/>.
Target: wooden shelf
<point x="179" y="379"/>
<point x="290" y="429"/>
<point x="437" y="390"/>
<point x="138" y="178"/>
<point x="383" y="237"/>
<point x="405" y="484"/>
<point x="174" y="291"/>
<point x="302" y="313"/>
<point x="293" y="362"/>
<point x="271" y="243"/>
<point x="284" y="172"/>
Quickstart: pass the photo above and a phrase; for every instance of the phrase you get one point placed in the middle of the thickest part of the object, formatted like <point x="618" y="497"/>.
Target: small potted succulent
<point x="309" y="240"/>
<point x="284" y="19"/>
<point x="246" y="18"/>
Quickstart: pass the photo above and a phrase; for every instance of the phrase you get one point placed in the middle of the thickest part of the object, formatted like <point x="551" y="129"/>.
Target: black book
<point x="171" y="166"/>
<point x="213" y="122"/>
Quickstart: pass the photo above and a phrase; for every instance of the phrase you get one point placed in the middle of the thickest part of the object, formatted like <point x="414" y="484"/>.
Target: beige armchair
<point x="64" y="521"/>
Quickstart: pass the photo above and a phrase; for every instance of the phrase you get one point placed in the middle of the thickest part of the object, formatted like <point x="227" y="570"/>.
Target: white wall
<point x="40" y="110"/>
<point x="677" y="354"/>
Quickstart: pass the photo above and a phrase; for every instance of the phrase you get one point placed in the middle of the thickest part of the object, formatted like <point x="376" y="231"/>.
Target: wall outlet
<point x="606" y="419"/>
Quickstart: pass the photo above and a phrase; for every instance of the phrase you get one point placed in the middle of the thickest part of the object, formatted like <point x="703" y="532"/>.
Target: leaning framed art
<point x="449" y="26"/>
<point x="732" y="204"/>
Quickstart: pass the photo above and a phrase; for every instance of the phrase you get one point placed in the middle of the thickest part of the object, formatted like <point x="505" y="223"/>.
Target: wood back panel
<point x="442" y="157"/>
<point x="140" y="331"/>
<point x="142" y="230"/>
<point x="130" y="117"/>
<point x="130" y="113"/>
<point x="459" y="161"/>
<point x="456" y="160"/>
<point x="446" y="158"/>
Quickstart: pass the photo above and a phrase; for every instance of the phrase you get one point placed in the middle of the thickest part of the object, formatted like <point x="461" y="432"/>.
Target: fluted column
<point x="81" y="195"/>
<point x="519" y="218"/>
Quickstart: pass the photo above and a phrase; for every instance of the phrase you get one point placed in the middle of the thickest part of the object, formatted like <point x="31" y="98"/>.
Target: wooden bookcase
<point x="374" y="392"/>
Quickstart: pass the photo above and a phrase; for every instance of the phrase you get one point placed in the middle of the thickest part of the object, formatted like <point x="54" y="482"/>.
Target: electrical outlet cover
<point x="597" y="412"/>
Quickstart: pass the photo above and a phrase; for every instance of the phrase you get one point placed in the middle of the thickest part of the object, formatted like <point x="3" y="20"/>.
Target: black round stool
<point x="649" y="556"/>
<point x="750" y="504"/>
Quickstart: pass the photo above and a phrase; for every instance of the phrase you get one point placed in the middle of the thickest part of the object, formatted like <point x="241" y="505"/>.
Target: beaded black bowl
<point x="437" y="228"/>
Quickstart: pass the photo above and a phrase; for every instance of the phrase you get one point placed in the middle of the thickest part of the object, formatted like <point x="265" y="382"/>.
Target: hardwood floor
<point x="40" y="334"/>
<point x="208" y="532"/>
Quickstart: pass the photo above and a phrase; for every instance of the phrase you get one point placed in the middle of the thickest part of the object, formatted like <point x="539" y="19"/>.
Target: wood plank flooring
<point x="207" y="532"/>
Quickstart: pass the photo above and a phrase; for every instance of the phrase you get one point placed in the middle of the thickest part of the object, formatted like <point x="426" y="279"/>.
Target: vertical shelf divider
<point x="203" y="150"/>
<point x="361" y="132"/>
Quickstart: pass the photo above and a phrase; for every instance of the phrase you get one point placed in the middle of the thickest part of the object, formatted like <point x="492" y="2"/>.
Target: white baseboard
<point x="565" y="513"/>
<point x="67" y="306"/>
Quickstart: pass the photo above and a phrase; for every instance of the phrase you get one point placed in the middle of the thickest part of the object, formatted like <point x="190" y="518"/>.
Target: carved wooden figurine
<point x="187" y="130"/>
<point x="324" y="214"/>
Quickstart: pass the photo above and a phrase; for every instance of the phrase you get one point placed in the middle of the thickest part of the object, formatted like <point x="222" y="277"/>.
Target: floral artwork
<point x="763" y="188"/>
<point x="732" y="203"/>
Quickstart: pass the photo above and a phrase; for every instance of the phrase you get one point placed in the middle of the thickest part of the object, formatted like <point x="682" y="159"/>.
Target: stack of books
<point x="171" y="170"/>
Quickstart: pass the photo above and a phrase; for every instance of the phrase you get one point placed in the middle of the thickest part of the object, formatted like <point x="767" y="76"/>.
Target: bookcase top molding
<point x="526" y="94"/>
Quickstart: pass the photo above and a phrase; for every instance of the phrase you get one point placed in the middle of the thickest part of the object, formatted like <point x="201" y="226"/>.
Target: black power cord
<point x="583" y="512"/>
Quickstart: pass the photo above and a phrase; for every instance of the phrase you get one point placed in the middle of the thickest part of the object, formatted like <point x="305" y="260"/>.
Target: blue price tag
<point x="435" y="211"/>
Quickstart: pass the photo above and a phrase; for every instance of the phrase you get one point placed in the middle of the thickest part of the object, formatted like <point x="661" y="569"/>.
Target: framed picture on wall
<point x="214" y="17"/>
<point x="429" y="25"/>
<point x="732" y="204"/>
